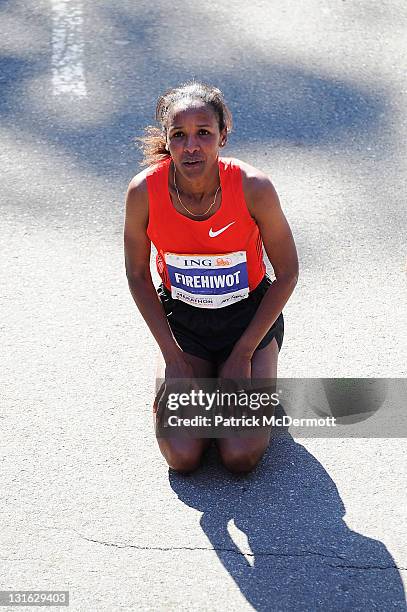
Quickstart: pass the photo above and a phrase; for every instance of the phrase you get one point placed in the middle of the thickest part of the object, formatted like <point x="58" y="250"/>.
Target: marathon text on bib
<point x="208" y="281"/>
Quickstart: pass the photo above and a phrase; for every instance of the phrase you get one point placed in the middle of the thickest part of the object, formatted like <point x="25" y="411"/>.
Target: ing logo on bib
<point x="208" y="281"/>
<point x="223" y="262"/>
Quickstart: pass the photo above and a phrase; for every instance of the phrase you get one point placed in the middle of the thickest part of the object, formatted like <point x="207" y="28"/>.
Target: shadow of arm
<point x="215" y="528"/>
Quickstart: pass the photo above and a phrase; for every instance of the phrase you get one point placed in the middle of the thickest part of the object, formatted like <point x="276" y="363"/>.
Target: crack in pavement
<point x="233" y="551"/>
<point x="247" y="554"/>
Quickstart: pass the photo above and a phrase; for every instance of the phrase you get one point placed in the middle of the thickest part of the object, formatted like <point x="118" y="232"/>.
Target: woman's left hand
<point x="236" y="367"/>
<point x="234" y="376"/>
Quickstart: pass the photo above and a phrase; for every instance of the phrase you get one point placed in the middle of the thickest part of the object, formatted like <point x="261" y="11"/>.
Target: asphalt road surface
<point x="318" y="91"/>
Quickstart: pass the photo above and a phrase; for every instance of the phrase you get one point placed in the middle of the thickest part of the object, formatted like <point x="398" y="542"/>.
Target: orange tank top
<point x="210" y="263"/>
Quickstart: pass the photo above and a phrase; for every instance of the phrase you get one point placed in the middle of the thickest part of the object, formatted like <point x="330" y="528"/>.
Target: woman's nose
<point x="191" y="144"/>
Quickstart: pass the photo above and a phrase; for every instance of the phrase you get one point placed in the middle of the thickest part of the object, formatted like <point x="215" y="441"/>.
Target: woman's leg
<point x="243" y="454"/>
<point x="184" y="454"/>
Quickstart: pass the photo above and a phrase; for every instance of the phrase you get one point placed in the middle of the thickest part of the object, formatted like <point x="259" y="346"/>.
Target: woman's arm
<point x="264" y="206"/>
<point x="137" y="249"/>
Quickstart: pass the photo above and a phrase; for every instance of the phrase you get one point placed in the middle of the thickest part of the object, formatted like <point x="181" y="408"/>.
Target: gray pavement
<point x="318" y="93"/>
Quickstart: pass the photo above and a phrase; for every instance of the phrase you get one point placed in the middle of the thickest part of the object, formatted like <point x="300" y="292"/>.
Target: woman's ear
<point x="164" y="135"/>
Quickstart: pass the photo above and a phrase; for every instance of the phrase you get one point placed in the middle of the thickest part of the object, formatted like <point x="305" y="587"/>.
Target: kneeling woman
<point x="216" y="312"/>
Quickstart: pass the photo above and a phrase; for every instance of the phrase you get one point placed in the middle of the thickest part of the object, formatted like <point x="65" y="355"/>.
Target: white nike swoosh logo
<point x="212" y="234"/>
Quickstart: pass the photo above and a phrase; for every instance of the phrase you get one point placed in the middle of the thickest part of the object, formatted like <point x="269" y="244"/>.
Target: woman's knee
<point x="240" y="460"/>
<point x="240" y="457"/>
<point x="184" y="462"/>
<point x="182" y="458"/>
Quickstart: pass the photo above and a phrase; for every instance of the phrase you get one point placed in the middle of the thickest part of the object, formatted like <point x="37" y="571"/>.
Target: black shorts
<point x="212" y="333"/>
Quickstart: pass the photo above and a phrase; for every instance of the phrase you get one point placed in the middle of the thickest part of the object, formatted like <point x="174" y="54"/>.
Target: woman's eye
<point x="203" y="132"/>
<point x="177" y="135"/>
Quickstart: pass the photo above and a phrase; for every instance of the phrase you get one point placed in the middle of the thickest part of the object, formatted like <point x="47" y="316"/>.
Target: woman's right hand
<point x="179" y="379"/>
<point x="176" y="366"/>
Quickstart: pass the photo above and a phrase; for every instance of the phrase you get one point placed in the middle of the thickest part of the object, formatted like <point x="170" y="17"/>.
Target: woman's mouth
<point x="192" y="162"/>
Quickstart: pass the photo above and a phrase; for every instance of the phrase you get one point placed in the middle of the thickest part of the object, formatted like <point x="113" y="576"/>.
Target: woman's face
<point x="193" y="138"/>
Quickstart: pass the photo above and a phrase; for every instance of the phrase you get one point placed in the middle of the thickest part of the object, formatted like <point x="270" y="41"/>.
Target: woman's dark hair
<point x="153" y="143"/>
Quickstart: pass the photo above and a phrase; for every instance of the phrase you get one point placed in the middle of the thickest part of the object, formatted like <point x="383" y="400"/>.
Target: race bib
<point x="208" y="281"/>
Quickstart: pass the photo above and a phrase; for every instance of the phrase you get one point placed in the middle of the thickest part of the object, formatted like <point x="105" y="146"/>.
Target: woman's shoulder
<point x="254" y="180"/>
<point x="138" y="183"/>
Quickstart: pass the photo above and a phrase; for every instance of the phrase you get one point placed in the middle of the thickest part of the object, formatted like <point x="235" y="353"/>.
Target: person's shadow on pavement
<point x="303" y="555"/>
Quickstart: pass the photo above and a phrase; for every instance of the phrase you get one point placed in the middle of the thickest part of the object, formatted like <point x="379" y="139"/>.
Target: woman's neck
<point x="199" y="188"/>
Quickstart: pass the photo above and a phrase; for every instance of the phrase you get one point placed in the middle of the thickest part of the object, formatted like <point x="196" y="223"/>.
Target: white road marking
<point x="68" y="75"/>
<point x="241" y="541"/>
